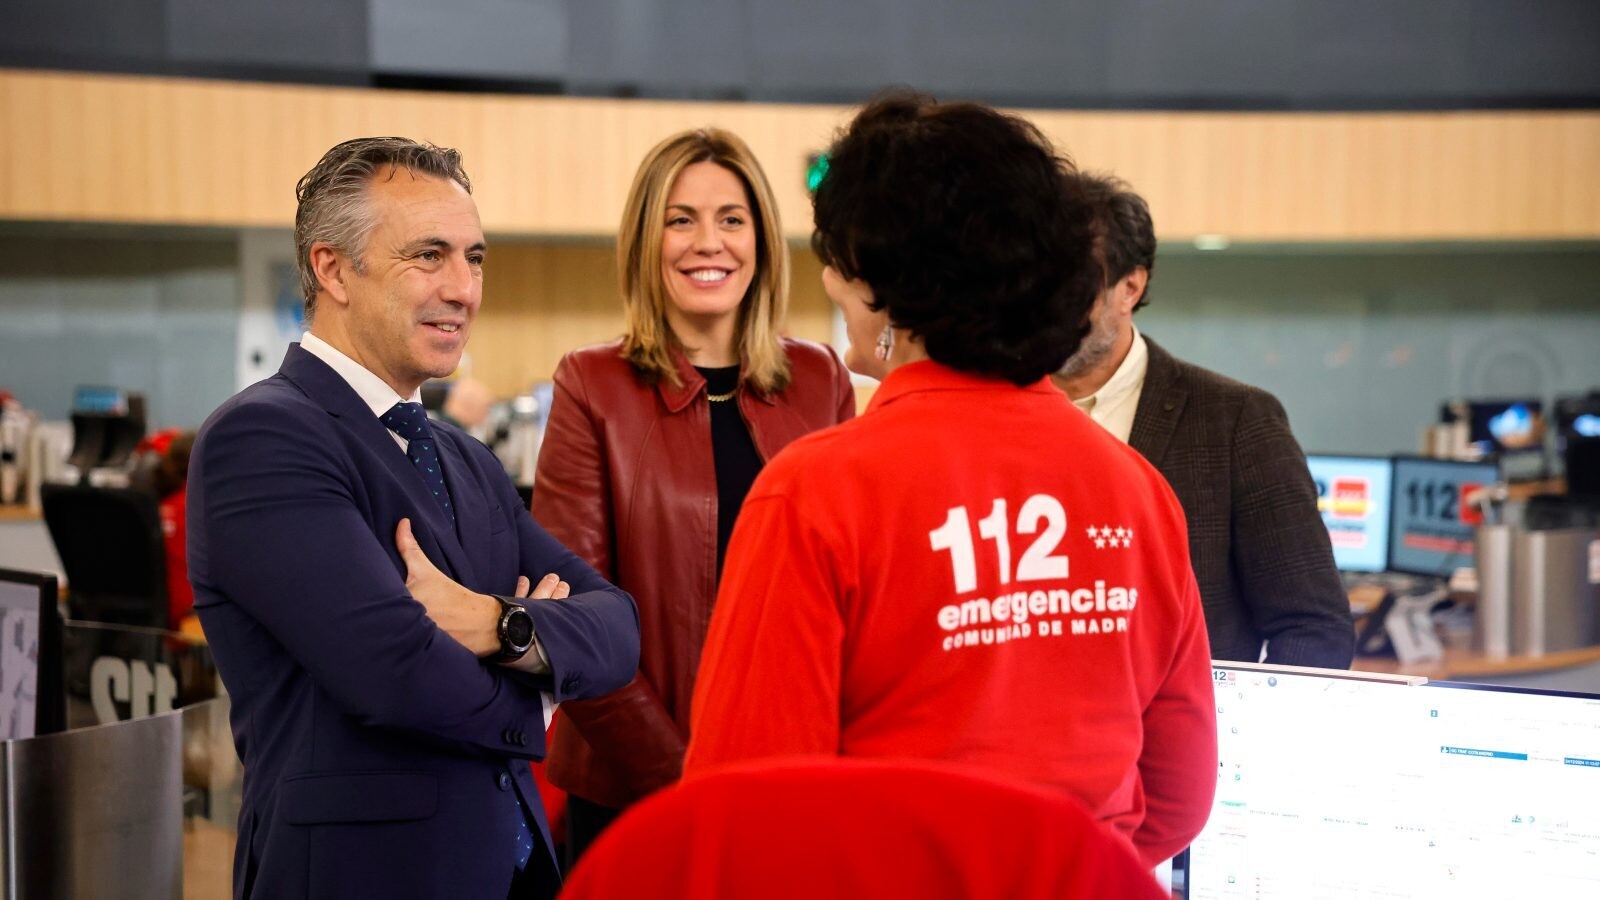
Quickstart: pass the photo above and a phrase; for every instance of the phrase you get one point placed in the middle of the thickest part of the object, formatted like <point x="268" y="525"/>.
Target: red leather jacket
<point x="626" y="481"/>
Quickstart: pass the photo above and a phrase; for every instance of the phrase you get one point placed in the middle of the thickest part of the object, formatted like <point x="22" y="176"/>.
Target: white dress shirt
<point x="380" y="398"/>
<point x="1113" y="406"/>
<point x="373" y="391"/>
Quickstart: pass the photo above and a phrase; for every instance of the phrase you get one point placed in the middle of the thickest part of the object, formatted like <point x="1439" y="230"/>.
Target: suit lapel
<point x="430" y="523"/>
<point x="1161" y="403"/>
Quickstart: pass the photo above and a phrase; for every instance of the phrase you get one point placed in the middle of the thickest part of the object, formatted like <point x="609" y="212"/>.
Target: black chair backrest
<point x="111" y="549"/>
<point x="1583" y="467"/>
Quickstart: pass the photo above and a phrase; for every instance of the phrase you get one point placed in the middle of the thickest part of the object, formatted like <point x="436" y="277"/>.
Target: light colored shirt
<point x="380" y="398"/>
<point x="373" y="391"/>
<point x="1113" y="406"/>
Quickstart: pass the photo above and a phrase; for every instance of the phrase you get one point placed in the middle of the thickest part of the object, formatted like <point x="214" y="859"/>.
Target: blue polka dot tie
<point x="524" y="835"/>
<point x="410" y="421"/>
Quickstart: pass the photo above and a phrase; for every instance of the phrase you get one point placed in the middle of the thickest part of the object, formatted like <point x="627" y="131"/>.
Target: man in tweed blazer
<point x="1257" y="543"/>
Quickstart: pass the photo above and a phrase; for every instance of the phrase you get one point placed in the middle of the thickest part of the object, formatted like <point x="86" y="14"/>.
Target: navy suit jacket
<point x="381" y="757"/>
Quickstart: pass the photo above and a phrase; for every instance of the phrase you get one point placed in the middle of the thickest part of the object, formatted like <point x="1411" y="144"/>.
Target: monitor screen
<point x="89" y="398"/>
<point x="1353" y="497"/>
<point x="1432" y="519"/>
<point x="1578" y="416"/>
<point x="1499" y="426"/>
<point x="31" y="703"/>
<point x="1335" y="786"/>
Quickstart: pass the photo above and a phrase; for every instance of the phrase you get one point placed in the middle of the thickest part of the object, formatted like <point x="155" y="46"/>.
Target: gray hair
<point x="333" y="207"/>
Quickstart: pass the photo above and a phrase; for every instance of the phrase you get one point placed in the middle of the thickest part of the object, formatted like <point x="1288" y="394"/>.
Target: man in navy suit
<point x="363" y="575"/>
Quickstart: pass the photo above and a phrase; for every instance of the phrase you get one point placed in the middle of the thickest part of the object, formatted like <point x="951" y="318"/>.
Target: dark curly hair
<point x="1126" y="234"/>
<point x="968" y="227"/>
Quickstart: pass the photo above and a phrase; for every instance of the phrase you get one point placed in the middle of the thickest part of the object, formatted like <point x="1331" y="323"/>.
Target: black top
<point x="733" y="453"/>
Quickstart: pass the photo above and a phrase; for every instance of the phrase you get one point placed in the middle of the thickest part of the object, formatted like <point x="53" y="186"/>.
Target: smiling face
<point x="409" y="307"/>
<point x="708" y="246"/>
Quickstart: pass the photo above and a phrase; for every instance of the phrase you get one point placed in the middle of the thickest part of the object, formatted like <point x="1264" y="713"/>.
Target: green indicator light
<point x="816" y="170"/>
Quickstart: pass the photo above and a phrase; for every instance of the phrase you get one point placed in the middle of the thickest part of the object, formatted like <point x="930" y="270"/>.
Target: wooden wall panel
<point x="541" y="300"/>
<point x="134" y="149"/>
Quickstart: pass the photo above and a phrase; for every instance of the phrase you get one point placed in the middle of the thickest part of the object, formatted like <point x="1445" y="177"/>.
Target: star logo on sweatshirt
<point x="1107" y="536"/>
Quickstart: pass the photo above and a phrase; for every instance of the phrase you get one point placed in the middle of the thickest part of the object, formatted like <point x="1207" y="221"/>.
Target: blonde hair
<point x="648" y="341"/>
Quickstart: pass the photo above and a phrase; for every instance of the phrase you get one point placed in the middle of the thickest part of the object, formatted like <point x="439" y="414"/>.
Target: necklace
<point x="721" y="398"/>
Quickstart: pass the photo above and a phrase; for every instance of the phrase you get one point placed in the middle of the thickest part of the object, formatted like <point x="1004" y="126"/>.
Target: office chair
<point x="110" y="544"/>
<point x="850" y="828"/>
<point x="1582" y="459"/>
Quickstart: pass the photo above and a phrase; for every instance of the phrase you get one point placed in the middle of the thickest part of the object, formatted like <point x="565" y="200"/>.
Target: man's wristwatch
<point x="515" y="630"/>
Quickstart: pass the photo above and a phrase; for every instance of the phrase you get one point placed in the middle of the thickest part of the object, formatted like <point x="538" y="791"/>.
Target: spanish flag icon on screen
<point x="1350" y="498"/>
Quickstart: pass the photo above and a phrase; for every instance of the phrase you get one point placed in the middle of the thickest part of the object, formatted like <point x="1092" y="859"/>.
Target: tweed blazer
<point x="1257" y="543"/>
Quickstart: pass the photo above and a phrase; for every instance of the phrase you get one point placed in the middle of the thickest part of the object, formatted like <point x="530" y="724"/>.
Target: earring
<point x="885" y="343"/>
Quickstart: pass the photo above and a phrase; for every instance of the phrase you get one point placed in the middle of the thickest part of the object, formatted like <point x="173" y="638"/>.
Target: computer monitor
<point x="1339" y="785"/>
<point x="1577" y="416"/>
<point x="1501" y="426"/>
<point x="1512" y="433"/>
<point x="1433" y="518"/>
<point x="1577" y="424"/>
<point x="1353" y="497"/>
<point x="31" y="699"/>
<point x="107" y="425"/>
<point x="1582" y="460"/>
<point x="99" y="399"/>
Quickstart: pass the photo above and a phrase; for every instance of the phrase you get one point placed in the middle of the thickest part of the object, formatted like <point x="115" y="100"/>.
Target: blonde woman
<point x="654" y="439"/>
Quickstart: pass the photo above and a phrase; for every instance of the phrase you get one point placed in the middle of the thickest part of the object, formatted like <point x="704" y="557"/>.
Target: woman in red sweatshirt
<point x="972" y="571"/>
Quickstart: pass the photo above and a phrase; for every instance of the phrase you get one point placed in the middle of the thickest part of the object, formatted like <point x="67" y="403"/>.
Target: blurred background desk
<point x="25" y="542"/>
<point x="1566" y="670"/>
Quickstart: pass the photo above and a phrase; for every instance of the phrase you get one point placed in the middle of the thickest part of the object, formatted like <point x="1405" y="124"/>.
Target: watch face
<point x="518" y="631"/>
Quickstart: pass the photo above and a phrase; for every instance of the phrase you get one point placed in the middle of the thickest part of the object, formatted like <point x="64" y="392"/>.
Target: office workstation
<point x="1504" y="563"/>
<point x="1408" y="270"/>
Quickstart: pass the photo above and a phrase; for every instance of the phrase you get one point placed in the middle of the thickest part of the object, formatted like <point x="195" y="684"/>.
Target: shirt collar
<point x="927" y="375"/>
<point x="373" y="391"/>
<point x="1128" y="377"/>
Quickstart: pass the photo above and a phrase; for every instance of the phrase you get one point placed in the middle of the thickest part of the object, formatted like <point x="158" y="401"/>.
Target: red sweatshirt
<point x="174" y="536"/>
<point x="975" y="573"/>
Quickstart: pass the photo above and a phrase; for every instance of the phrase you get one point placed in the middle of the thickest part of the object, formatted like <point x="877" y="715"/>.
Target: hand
<point x="471" y="618"/>
<point x="551" y="587"/>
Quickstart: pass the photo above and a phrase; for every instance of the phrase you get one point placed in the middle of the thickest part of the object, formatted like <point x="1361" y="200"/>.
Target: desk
<point x="1565" y="670"/>
<point x="1522" y="490"/>
<point x="25" y="542"/>
<point x="1465" y="664"/>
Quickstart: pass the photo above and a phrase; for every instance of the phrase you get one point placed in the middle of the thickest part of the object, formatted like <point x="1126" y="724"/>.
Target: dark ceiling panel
<point x="327" y="35"/>
<point x="1186" y="54"/>
<point x="38" y="33"/>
